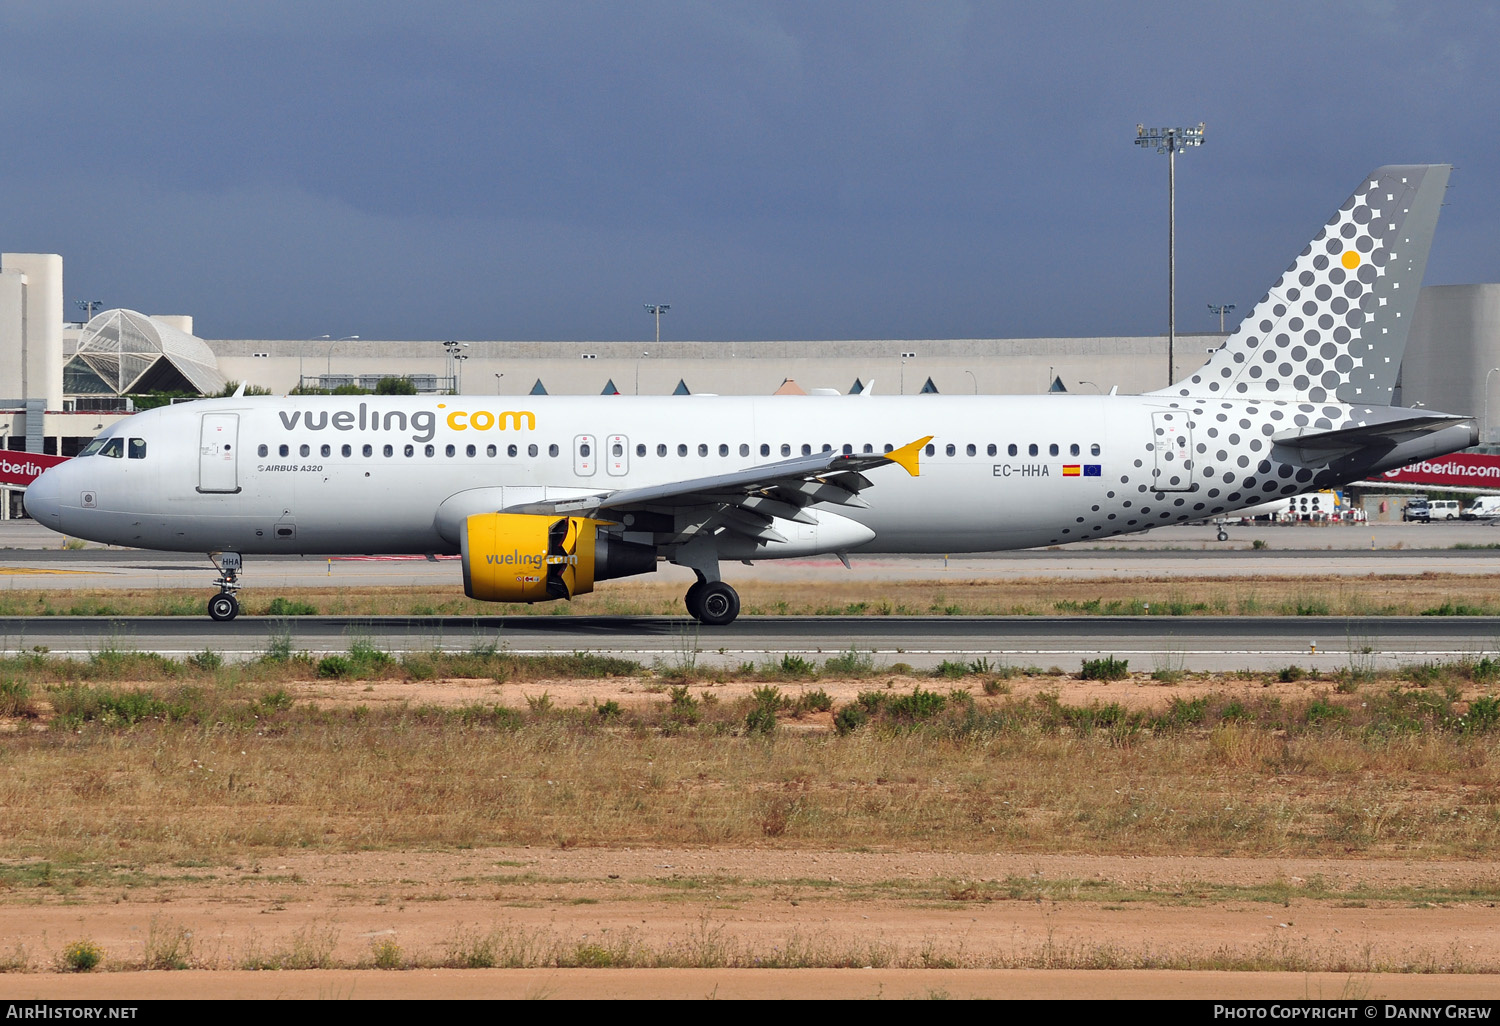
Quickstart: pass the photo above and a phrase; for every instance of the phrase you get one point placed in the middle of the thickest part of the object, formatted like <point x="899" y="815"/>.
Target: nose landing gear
<point x="224" y="606"/>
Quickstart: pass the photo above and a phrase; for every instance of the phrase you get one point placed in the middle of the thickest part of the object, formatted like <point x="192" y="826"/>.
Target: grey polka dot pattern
<point x="1319" y="353"/>
<point x="1334" y="325"/>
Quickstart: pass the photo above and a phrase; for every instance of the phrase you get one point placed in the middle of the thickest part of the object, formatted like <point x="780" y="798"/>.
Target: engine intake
<point x="525" y="557"/>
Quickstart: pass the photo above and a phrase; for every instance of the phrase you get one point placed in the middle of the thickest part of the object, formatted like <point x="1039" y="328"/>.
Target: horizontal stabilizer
<point x="1384" y="430"/>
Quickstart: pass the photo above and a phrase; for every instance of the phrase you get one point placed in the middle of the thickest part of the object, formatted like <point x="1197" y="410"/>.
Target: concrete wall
<point x="42" y="327"/>
<point x="956" y="366"/>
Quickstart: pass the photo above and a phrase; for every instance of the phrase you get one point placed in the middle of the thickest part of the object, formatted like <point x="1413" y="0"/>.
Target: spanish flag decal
<point x="1072" y="470"/>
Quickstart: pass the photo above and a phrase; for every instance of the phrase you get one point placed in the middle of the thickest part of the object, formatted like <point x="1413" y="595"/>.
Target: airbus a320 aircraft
<point x="547" y="495"/>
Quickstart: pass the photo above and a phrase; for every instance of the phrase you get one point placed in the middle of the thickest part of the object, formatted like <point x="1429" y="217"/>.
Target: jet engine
<point x="526" y="557"/>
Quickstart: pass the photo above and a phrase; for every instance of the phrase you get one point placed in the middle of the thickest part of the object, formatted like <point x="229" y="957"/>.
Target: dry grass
<point x="1389" y="594"/>
<point x="192" y="771"/>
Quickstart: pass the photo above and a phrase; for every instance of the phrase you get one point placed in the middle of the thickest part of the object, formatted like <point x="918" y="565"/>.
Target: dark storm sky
<point x="770" y="169"/>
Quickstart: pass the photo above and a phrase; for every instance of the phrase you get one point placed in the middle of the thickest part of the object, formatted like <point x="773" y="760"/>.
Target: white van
<point x="1444" y="509"/>
<point x="1484" y="508"/>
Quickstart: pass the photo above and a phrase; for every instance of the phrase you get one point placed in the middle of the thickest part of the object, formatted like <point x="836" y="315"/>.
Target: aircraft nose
<point x="44" y="500"/>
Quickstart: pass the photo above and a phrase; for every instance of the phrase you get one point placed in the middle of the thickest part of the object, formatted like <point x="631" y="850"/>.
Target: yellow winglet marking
<point x="906" y="456"/>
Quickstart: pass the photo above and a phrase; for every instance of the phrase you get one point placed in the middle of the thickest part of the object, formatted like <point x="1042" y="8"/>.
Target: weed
<point x="996" y="687"/>
<point x="208" y="660"/>
<point x="1105" y="668"/>
<point x="850" y="718"/>
<point x="850" y="663"/>
<point x="608" y="710"/>
<point x="1290" y="674"/>
<point x="540" y="705"/>
<point x="796" y="667"/>
<point x="812" y="701"/>
<point x="15" y="698"/>
<point x="951" y="669"/>
<point x="1260" y="543"/>
<point x="386" y="954"/>
<point x="168" y="946"/>
<point x="917" y="706"/>
<point x="279" y="646"/>
<point x="81" y="956"/>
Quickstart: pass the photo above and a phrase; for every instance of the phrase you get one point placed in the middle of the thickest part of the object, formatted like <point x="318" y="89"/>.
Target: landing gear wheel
<point x="223" y="606"/>
<point x="692" y="600"/>
<point x="1223" y="534"/>
<point x="718" y="604"/>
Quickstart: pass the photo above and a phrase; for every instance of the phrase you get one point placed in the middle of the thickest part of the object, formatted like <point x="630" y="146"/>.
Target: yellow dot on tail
<point x="1351" y="259"/>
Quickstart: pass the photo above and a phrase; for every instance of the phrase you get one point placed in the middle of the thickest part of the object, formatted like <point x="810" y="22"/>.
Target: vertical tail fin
<point x="1334" y="325"/>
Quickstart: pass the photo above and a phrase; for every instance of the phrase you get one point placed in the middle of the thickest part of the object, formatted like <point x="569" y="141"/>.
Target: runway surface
<point x="1149" y="642"/>
<point x="31" y="558"/>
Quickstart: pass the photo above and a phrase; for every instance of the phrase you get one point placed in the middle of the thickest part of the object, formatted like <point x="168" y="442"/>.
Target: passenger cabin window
<point x="1094" y="449"/>
<point x="304" y="450"/>
<point x="552" y="449"/>
<point x="490" y="450"/>
<point x="931" y="449"/>
<point x="283" y="450"/>
<point x="388" y="450"/>
<point x="411" y="450"/>
<point x="326" y="450"/>
<point x="1052" y="449"/>
<point x="723" y="449"/>
<point x="1032" y="450"/>
<point x="950" y="449"/>
<point x="471" y="450"/>
<point x="786" y="449"/>
<point x="640" y="449"/>
<point x="511" y="450"/>
<point x="1073" y="449"/>
<point x="346" y="450"/>
<point x="702" y="449"/>
<point x="971" y="449"/>
<point x="367" y="450"/>
<point x="452" y="450"/>
<point x="531" y="450"/>
<point x="681" y="450"/>
<point x="1011" y="449"/>
<point x="806" y="449"/>
<point x="991" y="450"/>
<point x="261" y="450"/>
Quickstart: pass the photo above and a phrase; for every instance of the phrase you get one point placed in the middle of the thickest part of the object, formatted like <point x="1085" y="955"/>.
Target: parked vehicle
<point x="1485" y="507"/>
<point x="1417" y="510"/>
<point x="1427" y="510"/>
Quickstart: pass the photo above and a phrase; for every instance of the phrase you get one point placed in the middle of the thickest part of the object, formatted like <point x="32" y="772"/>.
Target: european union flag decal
<point x="1091" y="470"/>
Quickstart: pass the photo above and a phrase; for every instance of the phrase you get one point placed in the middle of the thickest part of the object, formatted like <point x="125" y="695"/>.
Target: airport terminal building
<point x="61" y="382"/>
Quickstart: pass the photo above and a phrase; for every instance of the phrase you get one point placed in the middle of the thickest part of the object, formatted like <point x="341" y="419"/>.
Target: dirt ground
<point x="927" y="923"/>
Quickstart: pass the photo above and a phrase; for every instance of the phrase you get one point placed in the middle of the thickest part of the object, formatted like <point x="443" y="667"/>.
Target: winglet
<point x="906" y="456"/>
<point x="239" y="392"/>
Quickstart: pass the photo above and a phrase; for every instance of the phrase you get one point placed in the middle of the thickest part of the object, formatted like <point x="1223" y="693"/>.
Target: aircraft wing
<point x="744" y="501"/>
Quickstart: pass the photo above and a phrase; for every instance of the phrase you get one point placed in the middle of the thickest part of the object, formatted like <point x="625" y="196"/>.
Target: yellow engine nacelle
<point x="523" y="557"/>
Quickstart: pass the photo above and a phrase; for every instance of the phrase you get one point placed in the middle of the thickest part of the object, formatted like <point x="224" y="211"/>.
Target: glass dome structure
<point x="122" y="352"/>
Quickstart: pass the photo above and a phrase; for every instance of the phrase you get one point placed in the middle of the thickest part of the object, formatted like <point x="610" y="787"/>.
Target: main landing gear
<point x="712" y="602"/>
<point x="224" y="606"/>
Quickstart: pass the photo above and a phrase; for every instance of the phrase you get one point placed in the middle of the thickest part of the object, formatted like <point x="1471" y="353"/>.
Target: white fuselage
<point x="294" y="474"/>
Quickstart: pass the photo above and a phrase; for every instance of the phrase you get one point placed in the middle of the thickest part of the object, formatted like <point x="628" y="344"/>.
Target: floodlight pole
<point x="1169" y="141"/>
<point x="656" y="310"/>
<point x="1221" y="311"/>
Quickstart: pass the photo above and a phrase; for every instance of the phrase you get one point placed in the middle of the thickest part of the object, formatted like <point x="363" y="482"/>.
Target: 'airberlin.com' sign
<point x="1460" y="470"/>
<point x="22" y="468"/>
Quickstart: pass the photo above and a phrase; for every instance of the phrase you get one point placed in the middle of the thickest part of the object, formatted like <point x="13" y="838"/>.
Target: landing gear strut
<point x="224" y="606"/>
<point x="712" y="602"/>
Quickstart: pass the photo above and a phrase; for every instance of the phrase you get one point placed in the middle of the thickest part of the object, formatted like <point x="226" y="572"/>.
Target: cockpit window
<point x="137" y="448"/>
<point x="114" y="448"/>
<point x="93" y="447"/>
